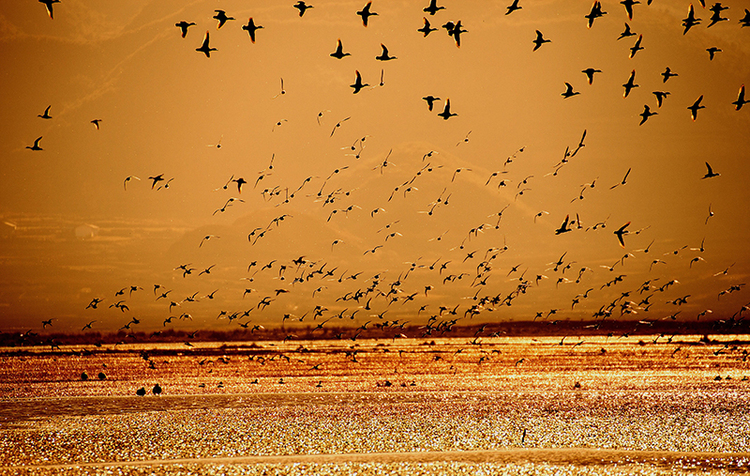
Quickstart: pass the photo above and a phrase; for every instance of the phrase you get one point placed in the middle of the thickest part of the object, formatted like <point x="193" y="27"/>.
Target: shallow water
<point x="452" y="406"/>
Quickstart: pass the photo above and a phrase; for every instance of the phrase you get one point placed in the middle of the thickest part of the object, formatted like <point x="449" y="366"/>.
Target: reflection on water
<point x="472" y="403"/>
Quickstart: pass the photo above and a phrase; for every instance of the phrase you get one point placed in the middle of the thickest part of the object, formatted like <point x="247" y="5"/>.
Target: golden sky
<point x="74" y="230"/>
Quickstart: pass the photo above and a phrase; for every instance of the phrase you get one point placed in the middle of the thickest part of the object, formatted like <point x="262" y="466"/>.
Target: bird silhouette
<point x="222" y="18"/>
<point x="426" y="28"/>
<point x="569" y="91"/>
<point x="339" y="53"/>
<point x="660" y="95"/>
<point x="358" y="84"/>
<point x="668" y="74"/>
<point x="637" y="47"/>
<point x="365" y="13"/>
<point x="302" y="7"/>
<point x="596" y="12"/>
<point x="96" y="122"/>
<point x="620" y="232"/>
<point x="628" y="4"/>
<point x="539" y="40"/>
<point x="646" y="114"/>
<point x="183" y="26"/>
<point x="430" y="101"/>
<point x="432" y="8"/>
<point x="447" y="114"/>
<point x="564" y="228"/>
<point x="156" y="179"/>
<point x="128" y="179"/>
<point x="48" y="4"/>
<point x="695" y="107"/>
<point x="710" y="172"/>
<point x="46" y="113"/>
<point x="690" y="21"/>
<point x="512" y="7"/>
<point x="627" y="32"/>
<point x="712" y="52"/>
<point x="251" y="28"/>
<point x="589" y="72"/>
<point x="456" y="32"/>
<point x="156" y="390"/>
<point x="384" y="55"/>
<point x="716" y="17"/>
<point x="629" y="85"/>
<point x="745" y="21"/>
<point x="623" y="181"/>
<point x="740" y="99"/>
<point x="204" y="48"/>
<point x="36" y="144"/>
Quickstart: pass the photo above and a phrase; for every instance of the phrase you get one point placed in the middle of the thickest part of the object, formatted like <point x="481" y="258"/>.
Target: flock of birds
<point x="487" y="282"/>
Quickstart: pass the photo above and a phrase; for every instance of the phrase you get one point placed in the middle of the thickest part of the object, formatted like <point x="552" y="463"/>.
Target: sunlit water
<point x="592" y="405"/>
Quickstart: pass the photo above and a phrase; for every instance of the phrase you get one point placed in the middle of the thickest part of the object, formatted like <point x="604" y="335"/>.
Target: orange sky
<point x="73" y="232"/>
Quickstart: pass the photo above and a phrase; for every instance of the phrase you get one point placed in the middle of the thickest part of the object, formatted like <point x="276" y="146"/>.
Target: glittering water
<point x="450" y="406"/>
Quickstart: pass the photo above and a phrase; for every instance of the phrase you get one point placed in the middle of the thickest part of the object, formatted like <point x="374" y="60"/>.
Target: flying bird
<point x="596" y="12"/>
<point x="624" y="180"/>
<point x="302" y="7"/>
<point x="432" y="8"/>
<point x="46" y="113"/>
<point x="365" y="13"/>
<point x="646" y="114"/>
<point x="695" y="107"/>
<point x="222" y="17"/>
<point x="569" y="91"/>
<point x="48" y="4"/>
<point x="627" y="32"/>
<point x="637" y="47"/>
<point x="690" y="21"/>
<point x="204" y="48"/>
<point x="589" y="72"/>
<point x="630" y="84"/>
<point x="156" y="179"/>
<point x="539" y="40"/>
<point x="660" y="95"/>
<point x="667" y="74"/>
<point x="338" y="124"/>
<point x="456" y="32"/>
<point x="740" y="99"/>
<point x="717" y="8"/>
<point x="183" y="25"/>
<point x="384" y="55"/>
<point x="628" y="4"/>
<point x="339" y="53"/>
<point x="128" y="179"/>
<point x="710" y="172"/>
<point x="96" y="122"/>
<point x="712" y="51"/>
<point x="36" y="144"/>
<point x="426" y="28"/>
<point x="564" y="228"/>
<point x="250" y="28"/>
<point x="512" y="7"/>
<point x="745" y="21"/>
<point x="430" y="101"/>
<point x="446" y="114"/>
<point x="358" y="84"/>
<point x="620" y="232"/>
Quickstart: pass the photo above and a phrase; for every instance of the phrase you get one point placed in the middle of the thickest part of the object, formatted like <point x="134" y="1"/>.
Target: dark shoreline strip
<point x="577" y="456"/>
